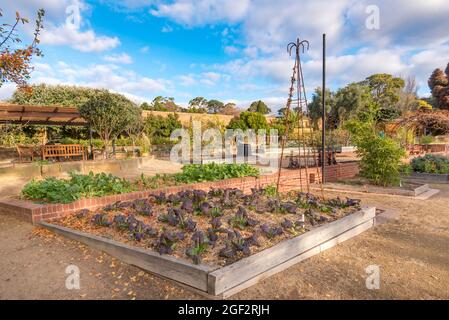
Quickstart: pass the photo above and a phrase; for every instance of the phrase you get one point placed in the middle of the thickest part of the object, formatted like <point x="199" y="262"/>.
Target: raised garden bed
<point x="429" y="168"/>
<point x="407" y="188"/>
<point x="34" y="212"/>
<point x="428" y="177"/>
<point x="221" y="241"/>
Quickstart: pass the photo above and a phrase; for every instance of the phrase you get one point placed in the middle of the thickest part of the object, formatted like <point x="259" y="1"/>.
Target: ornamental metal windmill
<point x="297" y="104"/>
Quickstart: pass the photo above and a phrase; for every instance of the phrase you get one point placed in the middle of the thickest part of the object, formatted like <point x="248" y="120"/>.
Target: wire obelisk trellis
<point x="297" y="99"/>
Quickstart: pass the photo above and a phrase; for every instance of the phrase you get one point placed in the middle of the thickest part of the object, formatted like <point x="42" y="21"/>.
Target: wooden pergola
<point x="40" y="115"/>
<point x="43" y="115"/>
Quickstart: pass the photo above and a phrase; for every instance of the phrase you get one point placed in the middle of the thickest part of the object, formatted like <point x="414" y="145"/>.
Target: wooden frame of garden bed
<point x="222" y="282"/>
<point x="427" y="177"/>
<point x="420" y="189"/>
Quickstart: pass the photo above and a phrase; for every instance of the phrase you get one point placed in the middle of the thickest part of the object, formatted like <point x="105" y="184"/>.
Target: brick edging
<point x="34" y="212"/>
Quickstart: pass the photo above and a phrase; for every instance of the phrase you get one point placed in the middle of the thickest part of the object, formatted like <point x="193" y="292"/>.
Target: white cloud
<point x="213" y="76"/>
<point x="413" y="23"/>
<point x="200" y="12"/>
<point x="187" y="80"/>
<point x="271" y="25"/>
<point x="250" y="52"/>
<point x="412" y="38"/>
<point x="85" y="41"/>
<point x="6" y="90"/>
<point x="166" y="29"/>
<point x="231" y="50"/>
<point x="105" y="76"/>
<point x="59" y="27"/>
<point x="118" y="58"/>
<point x="145" y="49"/>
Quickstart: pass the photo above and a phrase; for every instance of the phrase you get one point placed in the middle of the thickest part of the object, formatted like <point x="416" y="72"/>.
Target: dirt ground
<point x="411" y="250"/>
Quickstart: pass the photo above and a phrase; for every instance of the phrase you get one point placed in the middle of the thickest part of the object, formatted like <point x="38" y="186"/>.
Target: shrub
<point x="380" y="156"/>
<point x="97" y="143"/>
<point x="431" y="164"/>
<point x="79" y="186"/>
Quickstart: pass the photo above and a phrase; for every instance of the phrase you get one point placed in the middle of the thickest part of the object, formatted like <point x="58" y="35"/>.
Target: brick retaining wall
<point x="290" y="179"/>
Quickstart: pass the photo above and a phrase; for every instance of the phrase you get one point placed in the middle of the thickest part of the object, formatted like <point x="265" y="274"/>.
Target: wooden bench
<point x="416" y="149"/>
<point x="25" y="152"/>
<point x="63" y="150"/>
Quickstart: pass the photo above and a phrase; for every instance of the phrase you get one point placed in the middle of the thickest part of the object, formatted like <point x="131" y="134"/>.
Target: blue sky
<point x="230" y="50"/>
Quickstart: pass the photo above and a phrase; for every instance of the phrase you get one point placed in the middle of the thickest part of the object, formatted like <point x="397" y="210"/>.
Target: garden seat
<point x="25" y="152"/>
<point x="63" y="150"/>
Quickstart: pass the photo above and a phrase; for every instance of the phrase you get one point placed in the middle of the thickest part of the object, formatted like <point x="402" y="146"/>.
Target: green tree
<point x="109" y="114"/>
<point x="230" y="108"/>
<point x="384" y="88"/>
<point x="248" y="120"/>
<point x="259" y="106"/>
<point x="135" y="127"/>
<point x="385" y="92"/>
<point x="315" y="106"/>
<point x="196" y="105"/>
<point x="349" y="101"/>
<point x="214" y="106"/>
<point x="164" y="104"/>
<point x="158" y="128"/>
<point x="145" y="106"/>
<point x="67" y="96"/>
<point x="198" y="102"/>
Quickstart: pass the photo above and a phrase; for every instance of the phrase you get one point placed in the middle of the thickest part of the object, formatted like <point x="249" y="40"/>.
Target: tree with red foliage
<point x="439" y="84"/>
<point x="15" y="60"/>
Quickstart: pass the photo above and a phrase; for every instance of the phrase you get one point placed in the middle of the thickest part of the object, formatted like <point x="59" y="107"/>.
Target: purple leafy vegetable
<point x="101" y="219"/>
<point x="160" y="198"/>
<point x="82" y="213"/>
<point x="187" y="205"/>
<point x="166" y="242"/>
<point x="271" y="231"/>
<point x="143" y="207"/>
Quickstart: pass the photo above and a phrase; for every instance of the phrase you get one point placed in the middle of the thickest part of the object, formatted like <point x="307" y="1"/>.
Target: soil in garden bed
<point x="216" y="228"/>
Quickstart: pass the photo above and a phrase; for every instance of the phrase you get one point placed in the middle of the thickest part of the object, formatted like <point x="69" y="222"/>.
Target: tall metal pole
<point x="90" y="142"/>
<point x="323" y="99"/>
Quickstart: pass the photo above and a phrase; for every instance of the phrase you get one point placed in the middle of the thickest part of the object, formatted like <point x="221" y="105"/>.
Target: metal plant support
<point x="297" y="101"/>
